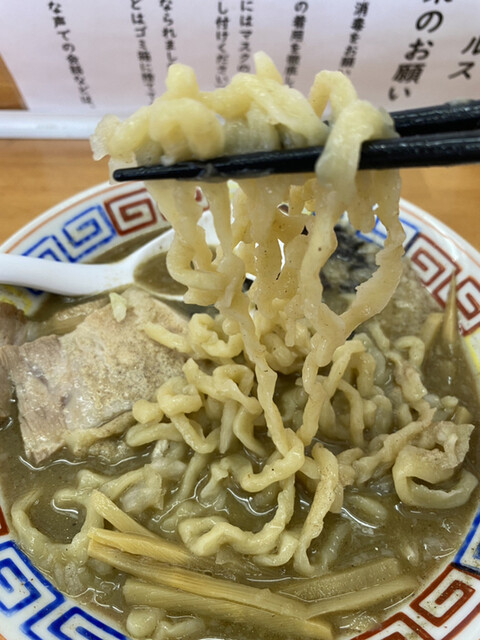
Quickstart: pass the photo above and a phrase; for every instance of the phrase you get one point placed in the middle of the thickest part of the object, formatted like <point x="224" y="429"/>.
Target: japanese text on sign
<point x="349" y="56"/>
<point x="69" y="48"/>
<point x="246" y="31"/>
<point x="90" y="58"/>
<point x="222" y="32"/>
<point x="169" y="33"/>
<point x="297" y="34"/>
<point x="144" y="56"/>
<point x="409" y="72"/>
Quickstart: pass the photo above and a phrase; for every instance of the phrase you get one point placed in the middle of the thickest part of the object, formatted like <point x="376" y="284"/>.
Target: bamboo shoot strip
<point x="200" y="584"/>
<point x="367" y="597"/>
<point x="352" y="579"/>
<point x="118" y="518"/>
<point x="155" y="548"/>
<point x="324" y="587"/>
<point x="163" y="550"/>
<point x="175" y="601"/>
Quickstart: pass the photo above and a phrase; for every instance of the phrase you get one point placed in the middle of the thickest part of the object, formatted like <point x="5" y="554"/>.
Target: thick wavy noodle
<point x="289" y="406"/>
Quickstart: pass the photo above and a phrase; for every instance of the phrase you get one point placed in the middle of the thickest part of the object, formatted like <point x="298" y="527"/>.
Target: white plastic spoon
<point x="77" y="279"/>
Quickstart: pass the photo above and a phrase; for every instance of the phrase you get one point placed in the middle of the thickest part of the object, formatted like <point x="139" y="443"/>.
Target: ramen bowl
<point x="83" y="228"/>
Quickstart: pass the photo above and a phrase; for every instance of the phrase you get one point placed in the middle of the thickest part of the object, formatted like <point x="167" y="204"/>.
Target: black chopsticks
<point x="443" y="135"/>
<point x="461" y="115"/>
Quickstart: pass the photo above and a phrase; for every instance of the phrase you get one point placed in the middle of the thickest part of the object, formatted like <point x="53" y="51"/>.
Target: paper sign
<point x="90" y="57"/>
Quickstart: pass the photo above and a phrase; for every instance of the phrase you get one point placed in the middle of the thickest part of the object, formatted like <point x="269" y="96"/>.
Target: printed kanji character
<point x="297" y="34"/>
<point x="419" y="50"/>
<point x="427" y="18"/>
<point x="354" y="37"/>
<point x="222" y="22"/>
<point x="220" y="81"/>
<point x="347" y="61"/>
<point x="361" y="8"/>
<point x="148" y="77"/>
<point x="137" y="18"/>
<point x="465" y="67"/>
<point x="301" y="7"/>
<point x="65" y="34"/>
<point x="55" y="7"/>
<point x="358" y="24"/>
<point x="408" y="72"/>
<point x="393" y="95"/>
<point x="474" y="45"/>
<point x="59" y="21"/>
<point x="299" y="22"/>
<point x="76" y="69"/>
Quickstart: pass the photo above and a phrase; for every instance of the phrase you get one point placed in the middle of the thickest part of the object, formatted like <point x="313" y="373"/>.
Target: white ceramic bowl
<point x="98" y="219"/>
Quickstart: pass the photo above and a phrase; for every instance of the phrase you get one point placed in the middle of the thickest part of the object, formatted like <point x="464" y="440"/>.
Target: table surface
<point x="37" y="174"/>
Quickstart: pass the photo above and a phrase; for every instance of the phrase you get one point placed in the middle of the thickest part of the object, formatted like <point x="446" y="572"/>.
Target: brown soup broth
<point x="421" y="539"/>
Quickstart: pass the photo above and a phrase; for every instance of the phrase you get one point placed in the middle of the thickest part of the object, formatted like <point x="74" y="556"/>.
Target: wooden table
<point x="37" y="174"/>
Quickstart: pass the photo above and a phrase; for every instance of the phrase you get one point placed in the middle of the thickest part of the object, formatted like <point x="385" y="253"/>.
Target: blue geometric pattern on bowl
<point x="85" y="230"/>
<point x="78" y="237"/>
<point x="38" y="609"/>
<point x="468" y="556"/>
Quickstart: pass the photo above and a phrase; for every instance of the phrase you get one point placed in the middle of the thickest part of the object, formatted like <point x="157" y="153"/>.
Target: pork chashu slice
<point x="87" y="377"/>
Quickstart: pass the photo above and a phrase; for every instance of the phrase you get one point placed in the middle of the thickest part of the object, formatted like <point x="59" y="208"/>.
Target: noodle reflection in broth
<point x="291" y="422"/>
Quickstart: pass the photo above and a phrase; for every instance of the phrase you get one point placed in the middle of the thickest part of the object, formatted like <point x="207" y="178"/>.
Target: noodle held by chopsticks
<point x="287" y="410"/>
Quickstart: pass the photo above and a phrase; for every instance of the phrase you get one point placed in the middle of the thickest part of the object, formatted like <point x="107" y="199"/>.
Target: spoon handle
<point x="64" y="278"/>
<point x="80" y="279"/>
